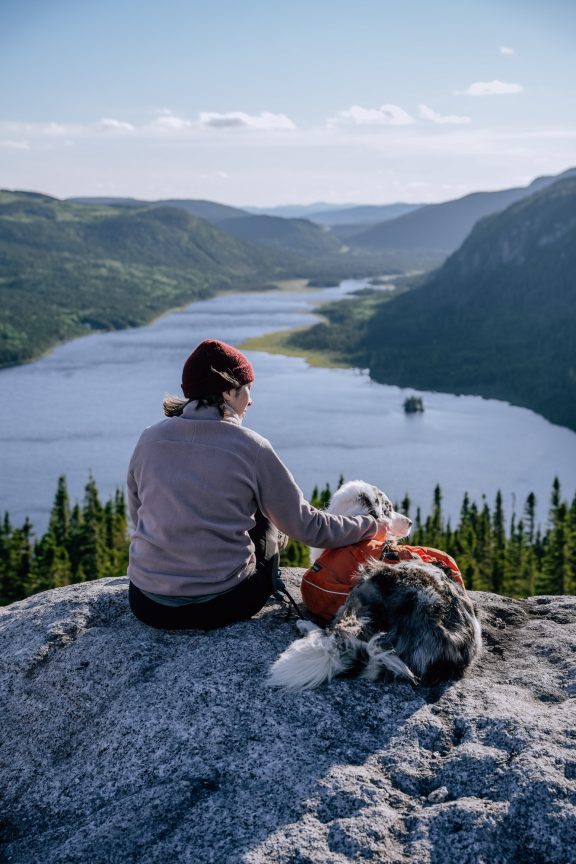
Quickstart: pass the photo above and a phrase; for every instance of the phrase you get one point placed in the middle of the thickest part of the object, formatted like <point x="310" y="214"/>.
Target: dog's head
<point x="357" y="498"/>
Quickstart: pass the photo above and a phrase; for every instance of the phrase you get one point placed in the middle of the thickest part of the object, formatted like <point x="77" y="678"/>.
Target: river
<point x="82" y="407"/>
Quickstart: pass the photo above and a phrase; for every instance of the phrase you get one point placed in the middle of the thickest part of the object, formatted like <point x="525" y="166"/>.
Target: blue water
<point x="82" y="408"/>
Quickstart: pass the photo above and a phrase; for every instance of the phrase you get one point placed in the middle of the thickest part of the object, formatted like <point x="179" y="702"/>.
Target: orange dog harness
<point x="326" y="585"/>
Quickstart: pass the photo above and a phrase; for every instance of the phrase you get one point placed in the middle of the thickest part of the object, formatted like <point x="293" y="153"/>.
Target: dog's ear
<point x="365" y="501"/>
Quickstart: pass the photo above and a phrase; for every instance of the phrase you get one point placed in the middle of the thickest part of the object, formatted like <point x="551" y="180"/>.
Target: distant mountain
<point x="208" y="210"/>
<point x="298" y="235"/>
<point x="498" y="319"/>
<point x="156" y="236"/>
<point x="367" y="214"/>
<point x="444" y="227"/>
<point x="297" y="211"/>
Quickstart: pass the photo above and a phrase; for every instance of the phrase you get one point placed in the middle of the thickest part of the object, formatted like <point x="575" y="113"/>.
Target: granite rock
<point x="121" y="743"/>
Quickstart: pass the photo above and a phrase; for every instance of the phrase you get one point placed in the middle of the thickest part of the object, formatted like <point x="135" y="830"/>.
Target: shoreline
<point x="277" y="343"/>
<point x="288" y="285"/>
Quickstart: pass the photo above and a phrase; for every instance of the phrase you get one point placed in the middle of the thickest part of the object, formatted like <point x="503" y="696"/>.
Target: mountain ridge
<point x="445" y="226"/>
<point x="479" y="318"/>
<point x="210" y="211"/>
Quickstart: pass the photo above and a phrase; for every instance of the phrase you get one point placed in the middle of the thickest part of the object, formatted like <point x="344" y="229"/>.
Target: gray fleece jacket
<point x="194" y="484"/>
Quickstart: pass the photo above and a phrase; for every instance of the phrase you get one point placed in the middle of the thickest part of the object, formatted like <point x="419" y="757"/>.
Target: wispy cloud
<point x="54" y="129"/>
<point x="14" y="145"/>
<point x="171" y="123"/>
<point x="165" y="125"/>
<point x="215" y="175"/>
<point x="238" y="120"/>
<point x="386" y="115"/>
<point x="490" y="88"/>
<point x="375" y="164"/>
<point x="427" y="113"/>
<point x="505" y="49"/>
<point x="107" y="124"/>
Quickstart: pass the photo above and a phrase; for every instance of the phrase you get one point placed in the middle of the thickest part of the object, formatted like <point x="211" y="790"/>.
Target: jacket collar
<point x="208" y="412"/>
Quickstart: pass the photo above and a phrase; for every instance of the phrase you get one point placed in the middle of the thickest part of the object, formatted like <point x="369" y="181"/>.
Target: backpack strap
<point x="281" y="593"/>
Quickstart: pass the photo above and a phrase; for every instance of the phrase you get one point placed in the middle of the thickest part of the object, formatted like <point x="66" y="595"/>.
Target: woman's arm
<point x="282" y="501"/>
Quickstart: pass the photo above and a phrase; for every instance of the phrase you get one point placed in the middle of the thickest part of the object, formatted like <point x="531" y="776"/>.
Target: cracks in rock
<point x="60" y="635"/>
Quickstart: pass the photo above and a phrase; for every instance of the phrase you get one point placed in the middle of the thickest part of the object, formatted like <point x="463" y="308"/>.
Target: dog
<point x="408" y="620"/>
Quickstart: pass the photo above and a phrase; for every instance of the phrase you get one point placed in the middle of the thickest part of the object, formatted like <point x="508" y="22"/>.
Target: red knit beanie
<point x="202" y="373"/>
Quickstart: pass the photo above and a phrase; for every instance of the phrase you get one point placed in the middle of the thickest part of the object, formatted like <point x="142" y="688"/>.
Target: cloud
<point x="490" y="88"/>
<point x="215" y="175"/>
<point x="107" y="124"/>
<point x="53" y="129"/>
<point x="170" y="122"/>
<point x="15" y="145"/>
<point x="505" y="49"/>
<point x="386" y="115"/>
<point x="428" y="114"/>
<point x="238" y="120"/>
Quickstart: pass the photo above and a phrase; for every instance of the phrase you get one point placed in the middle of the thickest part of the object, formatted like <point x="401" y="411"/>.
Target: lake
<point x="82" y="408"/>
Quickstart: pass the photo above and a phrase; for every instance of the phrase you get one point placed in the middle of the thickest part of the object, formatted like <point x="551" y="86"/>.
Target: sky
<point x="262" y="102"/>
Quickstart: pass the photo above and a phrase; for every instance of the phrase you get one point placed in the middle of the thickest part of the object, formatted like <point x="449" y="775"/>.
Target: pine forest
<point x="508" y="555"/>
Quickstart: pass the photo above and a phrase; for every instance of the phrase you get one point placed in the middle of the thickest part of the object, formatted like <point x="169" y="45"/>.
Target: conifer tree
<point x="434" y="525"/>
<point x="530" y="518"/>
<point x="5" y="564"/>
<point x="18" y="556"/>
<point x="59" y="525"/>
<point x="498" y="545"/>
<point x="554" y="577"/>
<point x="92" y="534"/>
<point x="516" y="568"/>
<point x="570" y="586"/>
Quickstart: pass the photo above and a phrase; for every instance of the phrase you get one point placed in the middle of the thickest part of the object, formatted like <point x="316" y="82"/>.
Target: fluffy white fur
<point x="406" y="620"/>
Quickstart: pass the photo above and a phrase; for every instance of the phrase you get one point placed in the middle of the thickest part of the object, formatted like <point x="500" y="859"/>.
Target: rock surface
<point x="120" y="743"/>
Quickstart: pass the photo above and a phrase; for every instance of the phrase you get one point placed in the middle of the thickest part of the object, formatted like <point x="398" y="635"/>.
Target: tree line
<point x="84" y="541"/>
<point x="517" y="558"/>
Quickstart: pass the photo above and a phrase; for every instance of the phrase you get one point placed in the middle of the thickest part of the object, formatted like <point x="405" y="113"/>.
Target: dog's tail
<point x="321" y="656"/>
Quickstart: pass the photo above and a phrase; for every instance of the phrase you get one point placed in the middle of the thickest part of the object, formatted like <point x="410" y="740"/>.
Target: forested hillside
<point x="299" y="235"/>
<point x="66" y="269"/>
<point x="497" y="320"/>
<point x="210" y="211"/>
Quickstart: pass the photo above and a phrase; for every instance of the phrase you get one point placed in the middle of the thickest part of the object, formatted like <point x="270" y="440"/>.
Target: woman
<point x="207" y="498"/>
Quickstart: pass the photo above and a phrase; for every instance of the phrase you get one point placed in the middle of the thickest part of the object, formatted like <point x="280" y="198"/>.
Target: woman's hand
<point x="384" y="530"/>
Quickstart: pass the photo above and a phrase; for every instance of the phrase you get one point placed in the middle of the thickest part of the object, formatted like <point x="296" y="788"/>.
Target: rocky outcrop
<point x="121" y="743"/>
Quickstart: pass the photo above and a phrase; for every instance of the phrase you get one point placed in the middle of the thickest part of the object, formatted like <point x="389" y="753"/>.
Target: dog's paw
<point x="304" y="627"/>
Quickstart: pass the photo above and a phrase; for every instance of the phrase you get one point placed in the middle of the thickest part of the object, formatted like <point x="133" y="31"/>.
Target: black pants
<point x="237" y="605"/>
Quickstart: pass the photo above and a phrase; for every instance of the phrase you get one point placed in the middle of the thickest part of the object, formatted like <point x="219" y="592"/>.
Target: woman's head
<point x="217" y="374"/>
<point x="214" y="368"/>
